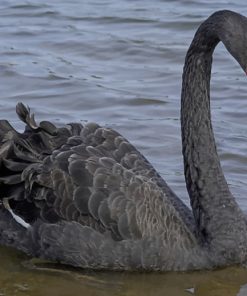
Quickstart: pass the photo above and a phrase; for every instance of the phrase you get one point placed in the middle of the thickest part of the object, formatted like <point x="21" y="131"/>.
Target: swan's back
<point x="93" y="178"/>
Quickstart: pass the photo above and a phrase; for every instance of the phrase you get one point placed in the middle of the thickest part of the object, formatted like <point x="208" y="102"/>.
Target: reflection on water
<point x="119" y="63"/>
<point x="20" y="275"/>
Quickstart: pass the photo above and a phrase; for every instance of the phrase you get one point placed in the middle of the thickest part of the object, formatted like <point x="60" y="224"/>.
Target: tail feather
<point x="25" y="115"/>
<point x="18" y="151"/>
<point x="7" y="133"/>
<point x="22" y="156"/>
<point x="14" y="166"/>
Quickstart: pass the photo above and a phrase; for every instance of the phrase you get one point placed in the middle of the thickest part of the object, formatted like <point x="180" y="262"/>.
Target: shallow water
<point x="119" y="63"/>
<point x="20" y="276"/>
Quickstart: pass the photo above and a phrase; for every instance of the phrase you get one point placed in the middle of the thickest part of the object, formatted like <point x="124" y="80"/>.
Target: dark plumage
<point x="83" y="195"/>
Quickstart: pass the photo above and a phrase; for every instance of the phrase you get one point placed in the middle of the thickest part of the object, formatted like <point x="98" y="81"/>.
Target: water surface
<point x="119" y="63"/>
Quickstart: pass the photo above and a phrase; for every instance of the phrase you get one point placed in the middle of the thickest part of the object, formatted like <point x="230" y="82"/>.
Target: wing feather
<point x="87" y="174"/>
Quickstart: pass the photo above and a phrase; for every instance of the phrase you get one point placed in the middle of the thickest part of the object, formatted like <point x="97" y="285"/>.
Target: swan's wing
<point x="88" y="174"/>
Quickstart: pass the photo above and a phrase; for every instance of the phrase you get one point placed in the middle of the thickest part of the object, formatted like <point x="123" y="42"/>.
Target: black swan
<point x="84" y="196"/>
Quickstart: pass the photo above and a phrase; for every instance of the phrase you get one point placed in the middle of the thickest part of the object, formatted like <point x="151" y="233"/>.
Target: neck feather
<point x="214" y="208"/>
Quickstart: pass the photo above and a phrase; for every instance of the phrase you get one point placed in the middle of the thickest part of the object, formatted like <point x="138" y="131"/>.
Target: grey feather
<point x="105" y="214"/>
<point x="81" y="197"/>
<point x="123" y="226"/>
<point x="93" y="200"/>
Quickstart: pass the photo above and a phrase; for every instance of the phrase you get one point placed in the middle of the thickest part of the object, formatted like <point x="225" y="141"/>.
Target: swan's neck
<point x="216" y="213"/>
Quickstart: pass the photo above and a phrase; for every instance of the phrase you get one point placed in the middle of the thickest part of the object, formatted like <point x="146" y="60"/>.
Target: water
<point x="119" y="63"/>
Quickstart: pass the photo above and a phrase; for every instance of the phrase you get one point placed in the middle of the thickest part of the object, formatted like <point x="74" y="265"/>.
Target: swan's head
<point x="233" y="33"/>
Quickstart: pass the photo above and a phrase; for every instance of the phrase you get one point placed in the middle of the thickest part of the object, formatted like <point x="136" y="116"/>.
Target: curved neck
<point x="213" y="206"/>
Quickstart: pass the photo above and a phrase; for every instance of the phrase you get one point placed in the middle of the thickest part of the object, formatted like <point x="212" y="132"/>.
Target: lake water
<point x="119" y="63"/>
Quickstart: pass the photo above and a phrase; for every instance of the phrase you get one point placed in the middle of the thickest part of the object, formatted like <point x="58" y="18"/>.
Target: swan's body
<point x="83" y="195"/>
